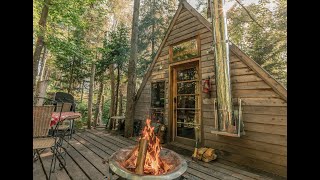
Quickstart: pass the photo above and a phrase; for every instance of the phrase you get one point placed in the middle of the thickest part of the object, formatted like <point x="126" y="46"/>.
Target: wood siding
<point x="264" y="146"/>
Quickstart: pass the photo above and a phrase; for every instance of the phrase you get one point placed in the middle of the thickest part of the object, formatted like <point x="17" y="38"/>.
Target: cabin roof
<point x="262" y="73"/>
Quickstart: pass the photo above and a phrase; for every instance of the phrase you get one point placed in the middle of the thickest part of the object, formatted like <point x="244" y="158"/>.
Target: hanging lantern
<point x="206" y="86"/>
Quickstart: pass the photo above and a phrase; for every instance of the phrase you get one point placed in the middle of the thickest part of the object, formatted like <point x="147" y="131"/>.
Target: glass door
<point x="186" y="103"/>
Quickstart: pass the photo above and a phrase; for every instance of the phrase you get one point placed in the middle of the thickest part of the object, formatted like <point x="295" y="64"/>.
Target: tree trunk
<point x="40" y="41"/>
<point x="117" y="91"/>
<point x="71" y="76"/>
<point x="111" y="111"/>
<point x="93" y="67"/>
<point x="43" y="63"/>
<point x="82" y="91"/>
<point x="152" y="31"/>
<point x="132" y="72"/>
<point x="120" y="103"/>
<point x="98" y="109"/>
<point x="41" y="91"/>
<point x="102" y="107"/>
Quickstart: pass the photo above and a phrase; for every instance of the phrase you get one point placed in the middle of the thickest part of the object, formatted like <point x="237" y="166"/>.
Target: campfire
<point x="145" y="157"/>
<point x="147" y="160"/>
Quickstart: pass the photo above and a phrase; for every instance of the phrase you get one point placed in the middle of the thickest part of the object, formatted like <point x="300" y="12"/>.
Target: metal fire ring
<point x="167" y="155"/>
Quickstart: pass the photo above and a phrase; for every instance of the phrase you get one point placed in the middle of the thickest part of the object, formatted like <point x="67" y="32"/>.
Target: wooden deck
<point x="88" y="151"/>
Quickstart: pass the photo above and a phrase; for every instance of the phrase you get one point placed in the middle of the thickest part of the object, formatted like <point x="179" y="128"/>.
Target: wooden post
<point x="143" y="145"/>
<point x="221" y="62"/>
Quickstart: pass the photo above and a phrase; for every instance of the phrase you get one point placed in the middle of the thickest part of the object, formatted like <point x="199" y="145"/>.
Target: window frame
<point x="197" y="38"/>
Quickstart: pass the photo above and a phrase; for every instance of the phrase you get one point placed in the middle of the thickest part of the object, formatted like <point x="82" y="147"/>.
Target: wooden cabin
<point x="174" y="90"/>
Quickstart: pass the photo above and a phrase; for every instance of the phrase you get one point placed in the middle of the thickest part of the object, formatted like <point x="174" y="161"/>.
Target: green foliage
<point x="267" y="45"/>
<point x="115" y="50"/>
<point x="79" y="125"/>
<point x="83" y="109"/>
<point x="105" y="115"/>
<point x="72" y="37"/>
<point x="156" y="14"/>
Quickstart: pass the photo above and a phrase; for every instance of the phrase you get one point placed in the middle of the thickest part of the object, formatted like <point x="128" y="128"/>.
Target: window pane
<point x="186" y="101"/>
<point x="186" y="87"/>
<point x="185" y="50"/>
<point x="185" y="120"/>
<point x="157" y="115"/>
<point x="187" y="74"/>
<point x="157" y="94"/>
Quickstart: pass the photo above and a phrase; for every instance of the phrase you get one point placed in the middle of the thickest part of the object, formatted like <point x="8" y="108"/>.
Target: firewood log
<point x="142" y="152"/>
<point x="209" y="153"/>
<point x="201" y="151"/>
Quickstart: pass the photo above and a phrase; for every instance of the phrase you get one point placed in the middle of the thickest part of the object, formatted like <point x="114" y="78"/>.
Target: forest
<point x="99" y="50"/>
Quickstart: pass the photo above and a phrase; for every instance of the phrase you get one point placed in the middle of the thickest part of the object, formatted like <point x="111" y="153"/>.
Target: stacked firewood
<point x="206" y="154"/>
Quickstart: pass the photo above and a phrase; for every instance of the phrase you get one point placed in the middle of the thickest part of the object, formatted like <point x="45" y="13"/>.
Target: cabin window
<point x="185" y="50"/>
<point x="157" y="101"/>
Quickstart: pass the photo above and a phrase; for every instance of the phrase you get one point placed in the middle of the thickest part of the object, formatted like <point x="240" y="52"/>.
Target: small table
<point x="64" y="116"/>
<point x="56" y="118"/>
<point x="115" y="123"/>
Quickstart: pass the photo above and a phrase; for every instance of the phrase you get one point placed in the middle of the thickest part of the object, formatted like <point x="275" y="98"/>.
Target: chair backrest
<point x="66" y="99"/>
<point x="66" y="107"/>
<point x="63" y="97"/>
<point x="41" y="120"/>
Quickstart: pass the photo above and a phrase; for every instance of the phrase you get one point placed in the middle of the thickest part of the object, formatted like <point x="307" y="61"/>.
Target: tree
<point x="93" y="66"/>
<point x="261" y="32"/>
<point x="99" y="103"/>
<point x="132" y="72"/>
<point x="265" y="41"/>
<point x="40" y="41"/>
<point x="154" y="15"/>
<point x="115" y="52"/>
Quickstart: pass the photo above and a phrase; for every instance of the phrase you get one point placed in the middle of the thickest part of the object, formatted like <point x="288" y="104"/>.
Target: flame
<point x="153" y="164"/>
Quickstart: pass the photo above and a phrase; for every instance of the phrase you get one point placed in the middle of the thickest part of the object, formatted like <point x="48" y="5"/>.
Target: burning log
<point x="132" y="152"/>
<point x="142" y="154"/>
<point x="145" y="159"/>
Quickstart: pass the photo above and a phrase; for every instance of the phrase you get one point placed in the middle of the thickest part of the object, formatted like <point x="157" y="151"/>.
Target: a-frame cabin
<point x="174" y="91"/>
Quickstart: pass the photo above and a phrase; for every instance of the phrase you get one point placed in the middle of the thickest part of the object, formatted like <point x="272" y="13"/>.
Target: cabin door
<point x="186" y="104"/>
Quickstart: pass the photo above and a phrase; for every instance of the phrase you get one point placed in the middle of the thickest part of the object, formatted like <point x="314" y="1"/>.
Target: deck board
<point x="88" y="152"/>
<point x="92" y="158"/>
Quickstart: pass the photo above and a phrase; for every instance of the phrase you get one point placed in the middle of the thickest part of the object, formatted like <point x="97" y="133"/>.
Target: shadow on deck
<point x="88" y="151"/>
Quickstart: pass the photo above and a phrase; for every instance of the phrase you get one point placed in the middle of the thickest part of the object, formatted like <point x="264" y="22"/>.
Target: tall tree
<point x="112" y="97"/>
<point x="131" y="88"/>
<point x="40" y="40"/>
<point x="90" y="101"/>
<point x="120" y="102"/>
<point x="154" y="15"/>
<point x="42" y="63"/>
<point x="99" y="103"/>
<point x="263" y="38"/>
<point x="260" y="30"/>
<point x="117" y="90"/>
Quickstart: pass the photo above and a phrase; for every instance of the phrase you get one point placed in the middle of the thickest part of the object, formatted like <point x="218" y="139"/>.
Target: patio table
<point x="56" y="120"/>
<point x="64" y="116"/>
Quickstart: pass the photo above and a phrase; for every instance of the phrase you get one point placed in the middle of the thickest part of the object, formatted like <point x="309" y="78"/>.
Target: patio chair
<point x="62" y="97"/>
<point x="64" y="102"/>
<point x="41" y="139"/>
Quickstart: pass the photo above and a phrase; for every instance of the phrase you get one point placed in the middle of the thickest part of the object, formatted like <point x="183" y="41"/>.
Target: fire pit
<point x="147" y="160"/>
<point x="179" y="164"/>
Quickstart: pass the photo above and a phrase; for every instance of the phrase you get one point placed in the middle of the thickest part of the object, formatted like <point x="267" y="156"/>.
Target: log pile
<point x="206" y="154"/>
